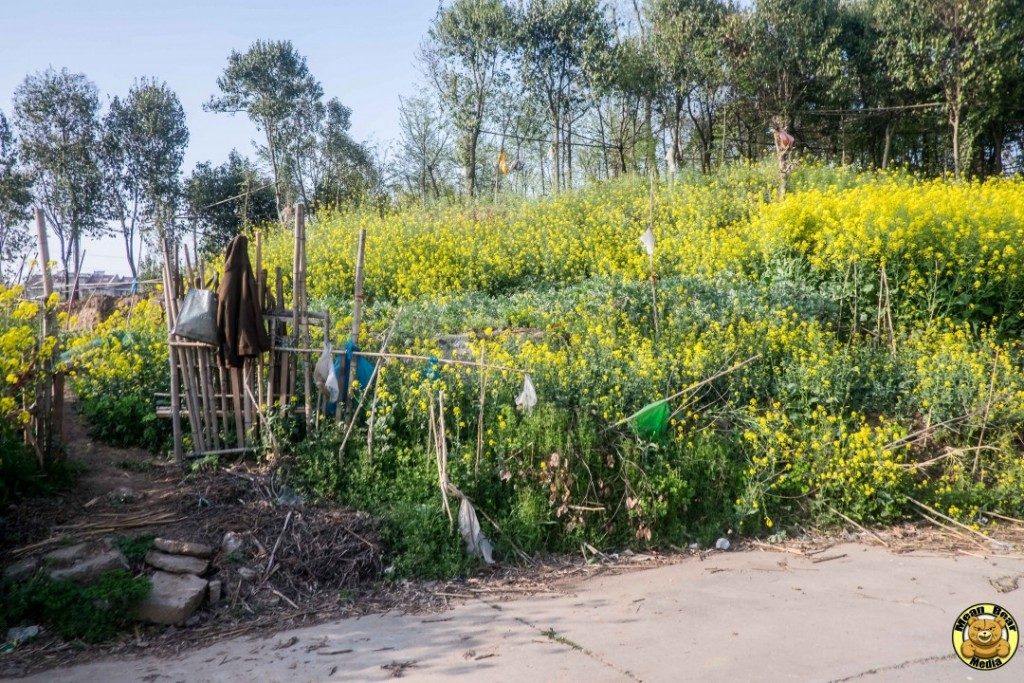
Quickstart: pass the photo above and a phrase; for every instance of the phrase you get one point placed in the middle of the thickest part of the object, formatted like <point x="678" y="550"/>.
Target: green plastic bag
<point x="651" y="420"/>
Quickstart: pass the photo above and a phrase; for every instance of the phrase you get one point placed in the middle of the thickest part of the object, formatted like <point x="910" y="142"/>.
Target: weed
<point x="92" y="613"/>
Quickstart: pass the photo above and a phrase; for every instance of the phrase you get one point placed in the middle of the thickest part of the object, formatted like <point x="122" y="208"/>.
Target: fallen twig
<point x="862" y="528"/>
<point x="828" y="558"/>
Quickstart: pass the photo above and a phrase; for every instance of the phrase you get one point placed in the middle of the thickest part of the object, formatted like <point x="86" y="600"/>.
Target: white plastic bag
<point x="647" y="239"/>
<point x="469" y="526"/>
<point x="527" y="398"/>
<point x="325" y="376"/>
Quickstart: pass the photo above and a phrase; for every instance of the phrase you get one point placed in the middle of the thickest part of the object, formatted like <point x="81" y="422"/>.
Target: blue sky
<point x="362" y="52"/>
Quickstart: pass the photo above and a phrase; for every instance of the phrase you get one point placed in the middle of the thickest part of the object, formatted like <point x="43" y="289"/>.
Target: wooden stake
<point x="307" y="365"/>
<point x="236" y="402"/>
<point x="43" y="419"/>
<point x="222" y="383"/>
<point x="283" y="363"/>
<point x="357" y="302"/>
<point x="172" y="359"/>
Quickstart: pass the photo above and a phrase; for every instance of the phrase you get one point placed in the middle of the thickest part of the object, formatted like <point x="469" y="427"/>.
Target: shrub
<point x="117" y="369"/>
<point x="92" y="613"/>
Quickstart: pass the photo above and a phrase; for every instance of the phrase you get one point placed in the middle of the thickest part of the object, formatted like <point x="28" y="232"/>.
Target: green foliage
<point x="55" y="115"/>
<point x="117" y="368"/>
<point x="143" y="145"/>
<point x="92" y="613"/>
<point x="134" y="548"/>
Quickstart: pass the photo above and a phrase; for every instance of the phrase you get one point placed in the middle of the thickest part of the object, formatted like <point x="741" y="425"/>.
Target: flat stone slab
<point x="176" y="564"/>
<point x="68" y="555"/>
<point x="173" y="599"/>
<point x="88" y="570"/>
<point x="19" y="571"/>
<point x="182" y="548"/>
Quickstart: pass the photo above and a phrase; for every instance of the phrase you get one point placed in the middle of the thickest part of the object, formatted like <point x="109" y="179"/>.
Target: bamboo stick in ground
<point x="205" y="392"/>
<point x="172" y="360"/>
<point x="186" y="375"/>
<point x="355" y="412"/>
<point x="357" y="302"/>
<point x="236" y="403"/>
<point x="282" y="360"/>
<point x="307" y="366"/>
<point x="246" y="375"/>
<point x="192" y="392"/>
<point x="222" y="383"/>
<point x="270" y="366"/>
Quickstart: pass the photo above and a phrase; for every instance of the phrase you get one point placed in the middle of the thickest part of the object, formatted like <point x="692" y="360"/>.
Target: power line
<point x="873" y="110"/>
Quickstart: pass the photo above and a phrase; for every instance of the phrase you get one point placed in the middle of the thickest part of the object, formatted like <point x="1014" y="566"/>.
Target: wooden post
<point x="307" y="365"/>
<point x="44" y="416"/>
<point x="297" y="296"/>
<point x="172" y="355"/>
<point x="357" y="302"/>
<point x="280" y="366"/>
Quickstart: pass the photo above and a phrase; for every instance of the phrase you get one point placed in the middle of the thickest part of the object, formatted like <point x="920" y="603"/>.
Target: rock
<point x="122" y="495"/>
<point x="232" y="542"/>
<point x="68" y="555"/>
<point x="694" y="546"/>
<point x="182" y="548"/>
<point x="723" y="544"/>
<point x="88" y="570"/>
<point x="215" y="589"/>
<point x="20" y="571"/>
<point x="177" y="564"/>
<point x="247" y="573"/>
<point x="20" y="634"/>
<point x="173" y="599"/>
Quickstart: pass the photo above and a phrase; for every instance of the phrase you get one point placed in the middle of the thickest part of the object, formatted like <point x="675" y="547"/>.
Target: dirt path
<point x="107" y="472"/>
<point x="867" y="615"/>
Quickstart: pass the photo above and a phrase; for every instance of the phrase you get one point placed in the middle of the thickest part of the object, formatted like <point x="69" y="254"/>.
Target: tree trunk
<point x="887" y="146"/>
<point x="954" y="124"/>
<point x="274" y="165"/>
<point x="471" y="142"/>
<point x="556" y="162"/>
<point x="568" y="153"/>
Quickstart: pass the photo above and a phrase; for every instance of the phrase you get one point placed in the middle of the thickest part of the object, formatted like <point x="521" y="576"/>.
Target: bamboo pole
<point x="172" y="359"/>
<point x="44" y="395"/>
<point x="282" y="366"/>
<point x="210" y="398"/>
<point x="225" y="410"/>
<point x="236" y="404"/>
<point x="404" y="356"/>
<point x="297" y="295"/>
<point x="184" y="359"/>
<point x="260" y="285"/>
<point x="357" y="304"/>
<point x="307" y="366"/>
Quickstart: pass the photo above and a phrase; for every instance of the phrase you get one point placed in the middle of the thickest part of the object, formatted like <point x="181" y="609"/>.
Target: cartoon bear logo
<point x="985" y="639"/>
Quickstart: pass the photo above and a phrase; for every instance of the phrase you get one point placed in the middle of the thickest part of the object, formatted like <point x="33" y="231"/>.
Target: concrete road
<point x="741" y="616"/>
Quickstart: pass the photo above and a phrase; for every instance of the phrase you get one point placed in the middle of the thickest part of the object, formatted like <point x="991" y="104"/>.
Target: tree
<point x="563" y="43"/>
<point x="15" y="199"/>
<point x="784" y="55"/>
<point x="55" y="116"/>
<point x="424" y="159"/>
<point x="958" y="46"/>
<point x="687" y="38"/>
<point x="326" y="165"/>
<point x="223" y="200"/>
<point x="464" y="54"/>
<point x="272" y="84"/>
<point x="144" y="142"/>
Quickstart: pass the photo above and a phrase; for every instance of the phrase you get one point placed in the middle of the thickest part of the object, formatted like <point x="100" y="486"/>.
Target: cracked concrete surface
<point x="744" y="616"/>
